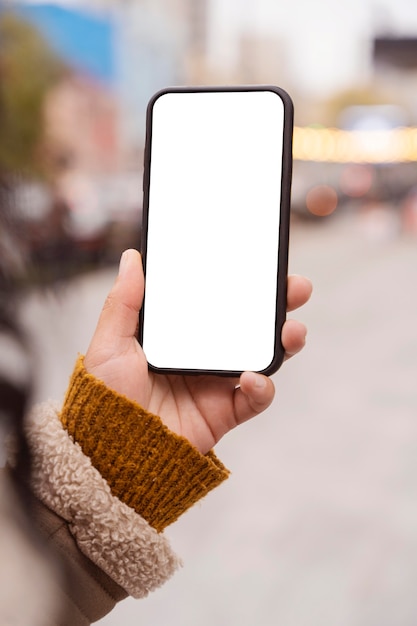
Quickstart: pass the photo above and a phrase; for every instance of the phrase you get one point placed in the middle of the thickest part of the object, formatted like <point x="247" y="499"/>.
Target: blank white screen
<point x="213" y="225"/>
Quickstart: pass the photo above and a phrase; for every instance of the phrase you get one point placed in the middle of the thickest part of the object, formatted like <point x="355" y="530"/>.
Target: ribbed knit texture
<point x="154" y="471"/>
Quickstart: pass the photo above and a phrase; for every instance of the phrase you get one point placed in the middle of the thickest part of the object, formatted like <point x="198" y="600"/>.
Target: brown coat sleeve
<point x="87" y="592"/>
<point x="45" y="580"/>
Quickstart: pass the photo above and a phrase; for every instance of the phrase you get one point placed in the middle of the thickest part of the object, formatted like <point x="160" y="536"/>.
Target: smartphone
<point x="217" y="180"/>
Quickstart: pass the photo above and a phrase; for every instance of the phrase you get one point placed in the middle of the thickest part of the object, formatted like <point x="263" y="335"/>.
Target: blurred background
<point x="317" y="525"/>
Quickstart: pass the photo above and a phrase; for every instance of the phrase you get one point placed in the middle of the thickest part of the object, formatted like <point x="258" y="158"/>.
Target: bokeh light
<point x="334" y="145"/>
<point x="356" y="180"/>
<point x="321" y="200"/>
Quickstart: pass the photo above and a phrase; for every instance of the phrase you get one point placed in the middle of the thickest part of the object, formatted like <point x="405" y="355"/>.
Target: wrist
<point x="154" y="471"/>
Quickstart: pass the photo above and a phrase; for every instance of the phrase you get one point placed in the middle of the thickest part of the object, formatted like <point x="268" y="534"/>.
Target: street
<point x="317" y="525"/>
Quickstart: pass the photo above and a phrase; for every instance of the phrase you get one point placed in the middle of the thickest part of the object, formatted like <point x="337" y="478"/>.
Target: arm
<point x="112" y="473"/>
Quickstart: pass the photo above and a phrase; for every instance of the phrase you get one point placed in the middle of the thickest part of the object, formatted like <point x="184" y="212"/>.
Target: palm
<point x="201" y="408"/>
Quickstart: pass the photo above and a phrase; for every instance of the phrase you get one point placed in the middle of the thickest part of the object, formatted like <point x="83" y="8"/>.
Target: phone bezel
<point x="284" y="223"/>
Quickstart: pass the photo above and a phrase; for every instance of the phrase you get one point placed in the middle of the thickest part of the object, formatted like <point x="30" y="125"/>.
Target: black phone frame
<point x="284" y="224"/>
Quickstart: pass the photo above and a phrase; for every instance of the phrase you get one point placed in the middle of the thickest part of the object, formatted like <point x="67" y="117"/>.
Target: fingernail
<point x="258" y="381"/>
<point x="124" y="259"/>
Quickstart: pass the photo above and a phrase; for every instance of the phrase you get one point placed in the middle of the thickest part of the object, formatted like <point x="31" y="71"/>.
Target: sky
<point x="326" y="41"/>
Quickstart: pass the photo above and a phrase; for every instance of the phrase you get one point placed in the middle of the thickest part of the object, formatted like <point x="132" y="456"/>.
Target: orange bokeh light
<point x="321" y="200"/>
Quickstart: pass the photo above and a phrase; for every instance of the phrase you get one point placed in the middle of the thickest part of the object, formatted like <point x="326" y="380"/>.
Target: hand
<point x="201" y="408"/>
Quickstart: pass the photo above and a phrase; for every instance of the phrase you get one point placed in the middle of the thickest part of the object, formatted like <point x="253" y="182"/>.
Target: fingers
<point x="119" y="317"/>
<point x="293" y="337"/>
<point x="255" y="391"/>
<point x="294" y="333"/>
<point x="253" y="396"/>
<point x="299" y="291"/>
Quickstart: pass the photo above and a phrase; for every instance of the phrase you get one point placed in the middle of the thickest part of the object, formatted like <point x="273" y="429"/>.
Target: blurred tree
<point x="28" y="68"/>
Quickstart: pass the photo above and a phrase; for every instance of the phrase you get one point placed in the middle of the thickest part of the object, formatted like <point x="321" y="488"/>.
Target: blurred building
<point x="130" y="50"/>
<point x="196" y="16"/>
<point x="395" y="68"/>
<point x="84" y="40"/>
<point x="82" y="120"/>
<point x="159" y="44"/>
<point x="262" y="59"/>
<point x="82" y="110"/>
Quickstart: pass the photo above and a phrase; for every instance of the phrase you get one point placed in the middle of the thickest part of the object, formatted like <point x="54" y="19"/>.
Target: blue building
<point x="84" y="41"/>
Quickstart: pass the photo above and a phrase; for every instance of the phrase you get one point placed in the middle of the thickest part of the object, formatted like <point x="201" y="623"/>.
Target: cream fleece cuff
<point x="106" y="530"/>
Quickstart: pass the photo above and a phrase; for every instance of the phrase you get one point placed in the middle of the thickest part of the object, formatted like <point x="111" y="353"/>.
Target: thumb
<point x="118" y="320"/>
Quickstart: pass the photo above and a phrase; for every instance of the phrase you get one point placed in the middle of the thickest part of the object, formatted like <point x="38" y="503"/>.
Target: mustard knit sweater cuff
<point x="154" y="471"/>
